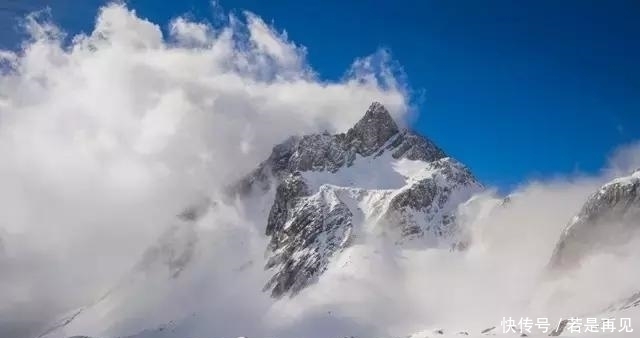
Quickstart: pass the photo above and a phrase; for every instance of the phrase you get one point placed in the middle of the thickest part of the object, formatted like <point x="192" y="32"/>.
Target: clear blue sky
<point x="514" y="89"/>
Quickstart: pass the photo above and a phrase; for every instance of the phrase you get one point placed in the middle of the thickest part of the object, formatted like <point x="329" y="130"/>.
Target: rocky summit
<point x="375" y="179"/>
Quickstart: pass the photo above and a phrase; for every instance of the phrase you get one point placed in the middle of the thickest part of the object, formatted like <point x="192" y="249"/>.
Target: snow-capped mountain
<point x="330" y="189"/>
<point x="609" y="218"/>
<point x="318" y="204"/>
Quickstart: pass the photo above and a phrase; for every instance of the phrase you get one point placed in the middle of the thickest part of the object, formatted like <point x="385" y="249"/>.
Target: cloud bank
<point x="106" y="137"/>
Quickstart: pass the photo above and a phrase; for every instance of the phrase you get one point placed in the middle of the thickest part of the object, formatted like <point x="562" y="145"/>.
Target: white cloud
<point x="273" y="45"/>
<point x="191" y="33"/>
<point x="624" y="160"/>
<point x="105" y="139"/>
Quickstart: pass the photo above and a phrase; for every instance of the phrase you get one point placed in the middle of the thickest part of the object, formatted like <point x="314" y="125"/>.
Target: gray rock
<point x="429" y="196"/>
<point x="312" y="232"/>
<point x="372" y="131"/>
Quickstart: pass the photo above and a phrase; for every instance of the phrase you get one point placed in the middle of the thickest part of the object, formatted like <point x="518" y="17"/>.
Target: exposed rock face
<point x="372" y="131"/>
<point x="610" y="217"/>
<point x="329" y="186"/>
<point x="433" y="197"/>
<point x="313" y="228"/>
<point x="325" y="152"/>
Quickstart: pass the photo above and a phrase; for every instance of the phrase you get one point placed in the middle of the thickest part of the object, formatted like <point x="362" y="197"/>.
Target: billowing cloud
<point x="105" y="138"/>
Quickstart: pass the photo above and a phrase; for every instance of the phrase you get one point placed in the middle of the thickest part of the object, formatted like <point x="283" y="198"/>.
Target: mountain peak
<point x="377" y="116"/>
<point x="374" y="129"/>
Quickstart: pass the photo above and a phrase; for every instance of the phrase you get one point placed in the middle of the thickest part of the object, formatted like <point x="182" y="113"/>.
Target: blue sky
<point x="516" y="90"/>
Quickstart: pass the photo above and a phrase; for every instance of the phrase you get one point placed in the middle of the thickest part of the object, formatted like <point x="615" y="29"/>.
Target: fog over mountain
<point x="207" y="183"/>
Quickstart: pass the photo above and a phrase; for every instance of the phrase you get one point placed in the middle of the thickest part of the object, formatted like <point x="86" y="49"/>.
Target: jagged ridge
<point x="318" y="197"/>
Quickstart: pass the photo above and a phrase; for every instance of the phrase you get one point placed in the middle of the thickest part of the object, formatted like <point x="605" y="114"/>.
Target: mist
<point x="105" y="137"/>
